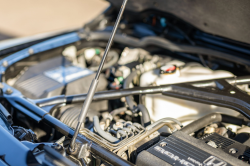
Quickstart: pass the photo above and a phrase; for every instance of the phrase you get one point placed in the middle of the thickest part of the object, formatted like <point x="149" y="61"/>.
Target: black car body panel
<point x="225" y="18"/>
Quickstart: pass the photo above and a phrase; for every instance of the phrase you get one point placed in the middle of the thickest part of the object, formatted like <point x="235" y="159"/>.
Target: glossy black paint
<point x="226" y="18"/>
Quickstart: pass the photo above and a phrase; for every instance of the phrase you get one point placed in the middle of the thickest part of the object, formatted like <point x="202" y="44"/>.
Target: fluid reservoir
<point x="173" y="72"/>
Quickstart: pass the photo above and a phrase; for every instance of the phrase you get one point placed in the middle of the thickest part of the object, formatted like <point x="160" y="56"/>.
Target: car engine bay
<point x="163" y="98"/>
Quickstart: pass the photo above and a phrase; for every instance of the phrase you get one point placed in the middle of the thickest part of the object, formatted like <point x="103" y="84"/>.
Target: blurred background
<point x="19" y="18"/>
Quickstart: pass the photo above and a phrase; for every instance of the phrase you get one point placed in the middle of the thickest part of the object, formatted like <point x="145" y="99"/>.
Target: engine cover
<point x="56" y="76"/>
<point x="181" y="149"/>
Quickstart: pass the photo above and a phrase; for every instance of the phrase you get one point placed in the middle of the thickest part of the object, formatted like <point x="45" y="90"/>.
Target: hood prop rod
<point x="92" y="89"/>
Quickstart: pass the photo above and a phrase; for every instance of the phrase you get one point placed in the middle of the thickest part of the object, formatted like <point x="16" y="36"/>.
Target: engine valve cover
<point x="181" y="149"/>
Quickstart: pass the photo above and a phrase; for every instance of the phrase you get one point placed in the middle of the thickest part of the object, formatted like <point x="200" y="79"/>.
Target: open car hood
<point x="225" y="18"/>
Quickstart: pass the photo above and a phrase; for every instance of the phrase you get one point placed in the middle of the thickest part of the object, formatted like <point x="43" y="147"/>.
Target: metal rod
<point x="34" y="112"/>
<point x="111" y="39"/>
<point x="94" y="83"/>
<point x="72" y="99"/>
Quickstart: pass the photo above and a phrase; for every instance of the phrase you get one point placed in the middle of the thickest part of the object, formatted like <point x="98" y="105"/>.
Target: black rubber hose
<point x="105" y="135"/>
<point x="233" y="120"/>
<point x="163" y="43"/>
<point x="36" y="112"/>
<point x="211" y="118"/>
<point x="127" y="82"/>
<point x="145" y="118"/>
<point x="202" y="122"/>
<point x="70" y="116"/>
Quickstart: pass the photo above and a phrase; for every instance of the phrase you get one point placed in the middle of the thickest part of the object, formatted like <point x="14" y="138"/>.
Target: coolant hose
<point x="211" y="118"/>
<point x="131" y="104"/>
<point x="118" y="111"/>
<point x="145" y="118"/>
<point x="105" y="135"/>
<point x="202" y="122"/>
<point x="233" y="120"/>
<point x="127" y="82"/>
<point x="168" y="119"/>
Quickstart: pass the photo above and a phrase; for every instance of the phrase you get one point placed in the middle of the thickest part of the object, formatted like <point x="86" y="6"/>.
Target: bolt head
<point x="56" y="146"/>
<point x="163" y="144"/>
<point x="233" y="150"/>
<point x="9" y="91"/>
<point x="5" y="64"/>
<point x="31" y="51"/>
<point x="1" y="86"/>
